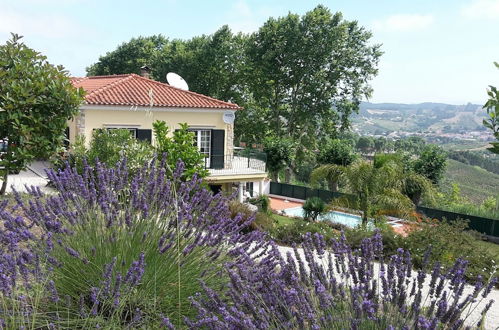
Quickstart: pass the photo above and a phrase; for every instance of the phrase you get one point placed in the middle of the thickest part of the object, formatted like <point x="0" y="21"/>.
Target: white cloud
<point x="404" y="23"/>
<point x="47" y="26"/>
<point x="481" y="9"/>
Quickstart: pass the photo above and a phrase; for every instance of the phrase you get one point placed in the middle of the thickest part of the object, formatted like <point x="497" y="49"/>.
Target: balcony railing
<point x="242" y="162"/>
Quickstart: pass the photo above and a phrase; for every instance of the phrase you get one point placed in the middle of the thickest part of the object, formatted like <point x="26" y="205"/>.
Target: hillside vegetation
<point x="476" y="184"/>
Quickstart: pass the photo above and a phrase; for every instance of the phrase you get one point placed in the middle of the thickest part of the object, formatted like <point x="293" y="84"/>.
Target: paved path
<point x="34" y="175"/>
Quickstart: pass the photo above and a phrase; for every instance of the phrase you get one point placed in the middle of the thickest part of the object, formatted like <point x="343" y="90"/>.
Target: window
<point x="202" y="139"/>
<point x="249" y="188"/>
<point x="133" y="131"/>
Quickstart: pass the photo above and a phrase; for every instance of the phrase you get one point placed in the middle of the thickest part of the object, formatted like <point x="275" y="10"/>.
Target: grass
<point x="493" y="248"/>
<point x="476" y="184"/>
<point x="281" y="220"/>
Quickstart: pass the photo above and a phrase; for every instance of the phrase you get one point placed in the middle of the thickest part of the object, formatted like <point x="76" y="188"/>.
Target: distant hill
<point x="475" y="183"/>
<point x="427" y="117"/>
<point x="419" y="106"/>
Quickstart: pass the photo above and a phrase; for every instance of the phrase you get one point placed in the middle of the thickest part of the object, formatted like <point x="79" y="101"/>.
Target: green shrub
<point x="313" y="207"/>
<point x="262" y="220"/>
<point x="109" y="147"/>
<point x="293" y="233"/>
<point x="262" y="201"/>
<point x="449" y="241"/>
<point x="391" y="241"/>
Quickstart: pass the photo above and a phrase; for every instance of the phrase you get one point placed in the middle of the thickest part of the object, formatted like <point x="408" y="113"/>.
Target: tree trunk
<point x="416" y="198"/>
<point x="364" y="219"/>
<point x="4" y="182"/>
<point x="333" y="186"/>
<point x="274" y="176"/>
<point x="287" y="175"/>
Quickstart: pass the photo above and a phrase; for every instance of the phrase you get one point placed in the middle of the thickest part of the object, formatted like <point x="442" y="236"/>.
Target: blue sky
<point x="439" y="51"/>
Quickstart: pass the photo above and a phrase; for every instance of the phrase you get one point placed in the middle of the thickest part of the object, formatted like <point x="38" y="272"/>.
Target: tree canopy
<point x="36" y="101"/>
<point x="298" y="77"/>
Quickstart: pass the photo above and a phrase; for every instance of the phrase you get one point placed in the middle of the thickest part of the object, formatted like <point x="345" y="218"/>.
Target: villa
<point x="134" y="102"/>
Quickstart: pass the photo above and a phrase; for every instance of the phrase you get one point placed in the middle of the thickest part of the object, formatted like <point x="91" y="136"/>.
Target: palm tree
<point x="375" y="190"/>
<point x="332" y="173"/>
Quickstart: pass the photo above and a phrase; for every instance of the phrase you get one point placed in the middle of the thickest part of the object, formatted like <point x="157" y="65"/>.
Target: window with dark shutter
<point x="217" y="148"/>
<point x="144" y="135"/>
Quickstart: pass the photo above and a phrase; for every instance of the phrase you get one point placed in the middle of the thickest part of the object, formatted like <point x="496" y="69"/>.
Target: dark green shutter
<point x="144" y="135"/>
<point x="217" y="148"/>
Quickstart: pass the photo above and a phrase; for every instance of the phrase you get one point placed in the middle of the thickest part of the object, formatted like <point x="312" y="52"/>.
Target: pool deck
<point x="279" y="204"/>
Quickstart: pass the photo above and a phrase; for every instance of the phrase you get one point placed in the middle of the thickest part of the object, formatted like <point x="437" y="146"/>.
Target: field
<point x="475" y="183"/>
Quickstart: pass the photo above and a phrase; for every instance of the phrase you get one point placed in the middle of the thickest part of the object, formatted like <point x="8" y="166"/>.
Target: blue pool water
<point x="349" y="220"/>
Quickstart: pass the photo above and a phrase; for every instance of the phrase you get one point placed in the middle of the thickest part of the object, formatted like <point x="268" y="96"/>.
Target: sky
<point x="434" y="51"/>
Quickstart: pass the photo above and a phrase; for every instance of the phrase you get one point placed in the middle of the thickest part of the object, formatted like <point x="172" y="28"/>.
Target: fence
<point x="482" y="225"/>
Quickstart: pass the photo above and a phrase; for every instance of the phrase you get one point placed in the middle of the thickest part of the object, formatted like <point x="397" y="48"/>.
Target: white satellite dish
<point x="228" y="117"/>
<point x="177" y="81"/>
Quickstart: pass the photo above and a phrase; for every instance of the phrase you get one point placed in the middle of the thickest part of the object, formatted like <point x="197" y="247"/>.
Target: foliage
<point x="391" y="240"/>
<point x="279" y="155"/>
<point x="128" y="57"/>
<point x="313" y="208"/>
<point x="431" y="163"/>
<point x="475" y="183"/>
<point x="474" y="158"/>
<point x="376" y="190"/>
<point x="288" y="86"/>
<point x="36" y="101"/>
<point x="338" y="152"/>
<point x="295" y="83"/>
<point x="365" y="144"/>
<point x="179" y="147"/>
<point x="262" y="221"/>
<point x="294" y="232"/>
<point x="332" y="173"/>
<point x="120" y="254"/>
<point x="312" y="289"/>
<point x="492" y="122"/>
<point x="211" y="64"/>
<point x="449" y="241"/>
<point x="109" y="147"/>
<point x="262" y="201"/>
<point x="335" y="155"/>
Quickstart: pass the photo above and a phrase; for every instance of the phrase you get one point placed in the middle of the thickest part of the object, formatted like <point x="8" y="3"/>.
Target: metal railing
<point x="237" y="162"/>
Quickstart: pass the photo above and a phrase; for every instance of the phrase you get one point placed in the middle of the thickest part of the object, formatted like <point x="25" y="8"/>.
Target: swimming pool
<point x="346" y="219"/>
<point x="349" y="220"/>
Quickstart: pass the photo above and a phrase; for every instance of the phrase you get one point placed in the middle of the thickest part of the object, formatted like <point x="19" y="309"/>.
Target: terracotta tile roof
<point x="134" y="90"/>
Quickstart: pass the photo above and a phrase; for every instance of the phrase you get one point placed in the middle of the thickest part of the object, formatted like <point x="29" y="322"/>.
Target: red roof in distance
<point x="134" y="90"/>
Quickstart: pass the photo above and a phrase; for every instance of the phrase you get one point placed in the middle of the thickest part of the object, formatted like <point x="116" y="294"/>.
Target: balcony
<point x="240" y="163"/>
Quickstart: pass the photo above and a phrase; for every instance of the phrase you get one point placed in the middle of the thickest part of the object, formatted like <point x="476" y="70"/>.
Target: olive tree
<point x="36" y="101"/>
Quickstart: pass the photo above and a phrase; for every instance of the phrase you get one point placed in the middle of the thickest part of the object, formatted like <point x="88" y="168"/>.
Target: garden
<point x="150" y="249"/>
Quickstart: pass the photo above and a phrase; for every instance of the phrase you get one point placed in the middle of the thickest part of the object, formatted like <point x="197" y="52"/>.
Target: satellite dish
<point x="229" y="117"/>
<point x="177" y="81"/>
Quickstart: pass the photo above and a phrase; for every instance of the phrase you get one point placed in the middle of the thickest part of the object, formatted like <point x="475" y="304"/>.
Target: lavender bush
<point x="120" y="253"/>
<point x="332" y="287"/>
<point x="114" y="251"/>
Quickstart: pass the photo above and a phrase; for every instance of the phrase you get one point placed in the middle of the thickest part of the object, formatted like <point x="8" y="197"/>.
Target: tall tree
<point x="211" y="64"/>
<point x="129" y="57"/>
<point x="431" y="163"/>
<point x="492" y="122"/>
<point x="279" y="155"/>
<point x="365" y="144"/>
<point x="308" y="74"/>
<point x="36" y="100"/>
<point x="334" y="157"/>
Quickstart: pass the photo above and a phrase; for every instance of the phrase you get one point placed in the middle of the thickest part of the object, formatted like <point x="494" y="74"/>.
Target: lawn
<point x="281" y="220"/>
